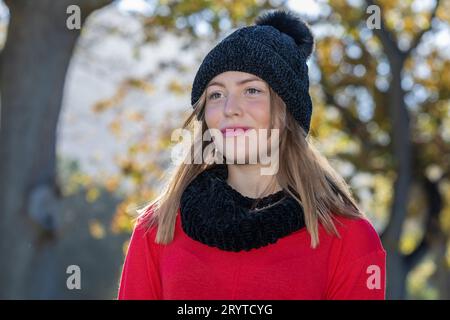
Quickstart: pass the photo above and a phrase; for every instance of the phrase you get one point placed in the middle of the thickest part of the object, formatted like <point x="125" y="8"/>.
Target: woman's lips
<point x="231" y="132"/>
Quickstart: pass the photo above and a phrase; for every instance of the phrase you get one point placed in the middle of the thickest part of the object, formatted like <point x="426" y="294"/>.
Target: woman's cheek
<point x="212" y="117"/>
<point x="261" y="114"/>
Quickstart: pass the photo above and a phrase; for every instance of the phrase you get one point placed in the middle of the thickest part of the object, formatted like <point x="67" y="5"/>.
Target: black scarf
<point x="217" y="215"/>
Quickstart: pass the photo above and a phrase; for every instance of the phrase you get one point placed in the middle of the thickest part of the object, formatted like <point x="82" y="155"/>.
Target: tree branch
<point x="386" y="37"/>
<point x="419" y="36"/>
<point x="356" y="126"/>
<point x="352" y="122"/>
<point x="432" y="228"/>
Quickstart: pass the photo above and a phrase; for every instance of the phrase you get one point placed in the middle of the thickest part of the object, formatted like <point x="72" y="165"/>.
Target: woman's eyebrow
<point x="238" y="83"/>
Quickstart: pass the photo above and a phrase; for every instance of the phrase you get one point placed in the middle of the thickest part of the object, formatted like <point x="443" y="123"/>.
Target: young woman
<point x="224" y="228"/>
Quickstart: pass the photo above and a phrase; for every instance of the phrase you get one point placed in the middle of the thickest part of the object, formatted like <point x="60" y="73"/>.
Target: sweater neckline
<point x="217" y="215"/>
<point x="221" y="172"/>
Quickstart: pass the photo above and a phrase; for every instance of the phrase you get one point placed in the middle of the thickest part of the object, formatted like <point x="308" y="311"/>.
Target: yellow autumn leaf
<point x="96" y="229"/>
<point x="92" y="194"/>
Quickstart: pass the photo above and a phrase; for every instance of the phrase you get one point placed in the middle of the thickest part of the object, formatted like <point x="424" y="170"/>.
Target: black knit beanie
<point x="275" y="49"/>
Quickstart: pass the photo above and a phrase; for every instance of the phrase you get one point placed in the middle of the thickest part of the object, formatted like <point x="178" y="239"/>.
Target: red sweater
<point x="352" y="267"/>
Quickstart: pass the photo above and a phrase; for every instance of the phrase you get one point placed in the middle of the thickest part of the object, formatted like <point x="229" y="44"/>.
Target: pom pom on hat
<point x="291" y="24"/>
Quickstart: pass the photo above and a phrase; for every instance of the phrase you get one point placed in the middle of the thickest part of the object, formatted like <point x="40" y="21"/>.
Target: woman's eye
<point x="253" y="90"/>
<point x="212" y="95"/>
<point x="216" y="95"/>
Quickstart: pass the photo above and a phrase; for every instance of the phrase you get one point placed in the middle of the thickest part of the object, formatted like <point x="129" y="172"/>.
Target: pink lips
<point x="234" y="131"/>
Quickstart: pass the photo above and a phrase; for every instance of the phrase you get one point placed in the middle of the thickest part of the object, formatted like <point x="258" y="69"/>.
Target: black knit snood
<point x="217" y="215"/>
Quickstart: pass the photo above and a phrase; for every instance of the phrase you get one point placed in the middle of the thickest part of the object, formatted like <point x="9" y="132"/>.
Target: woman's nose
<point x="232" y="105"/>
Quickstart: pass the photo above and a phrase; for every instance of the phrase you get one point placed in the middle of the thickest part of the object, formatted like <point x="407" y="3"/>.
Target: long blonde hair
<point x="303" y="173"/>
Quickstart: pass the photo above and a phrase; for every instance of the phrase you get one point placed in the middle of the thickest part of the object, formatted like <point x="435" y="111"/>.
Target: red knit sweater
<point x="352" y="267"/>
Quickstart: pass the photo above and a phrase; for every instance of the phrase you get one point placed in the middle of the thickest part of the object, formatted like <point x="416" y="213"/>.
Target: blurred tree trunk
<point x="33" y="67"/>
<point x="398" y="264"/>
<point x="401" y="136"/>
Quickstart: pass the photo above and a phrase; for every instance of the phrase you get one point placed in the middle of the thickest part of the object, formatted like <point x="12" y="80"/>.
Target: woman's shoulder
<point x="357" y="262"/>
<point x="143" y="228"/>
<point x="358" y="236"/>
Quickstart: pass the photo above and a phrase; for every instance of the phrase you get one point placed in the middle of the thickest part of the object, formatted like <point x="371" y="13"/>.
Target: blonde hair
<point x="303" y="173"/>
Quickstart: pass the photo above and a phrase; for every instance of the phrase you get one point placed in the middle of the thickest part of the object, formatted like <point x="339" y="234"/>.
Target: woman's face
<point x="238" y="100"/>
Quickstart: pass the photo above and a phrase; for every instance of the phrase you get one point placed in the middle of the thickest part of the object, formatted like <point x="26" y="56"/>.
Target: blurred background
<point x="87" y="113"/>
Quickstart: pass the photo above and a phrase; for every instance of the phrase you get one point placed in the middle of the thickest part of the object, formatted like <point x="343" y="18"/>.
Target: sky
<point x="308" y="7"/>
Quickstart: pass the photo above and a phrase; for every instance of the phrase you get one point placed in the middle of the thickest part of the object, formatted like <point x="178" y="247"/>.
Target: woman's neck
<point x="248" y="180"/>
